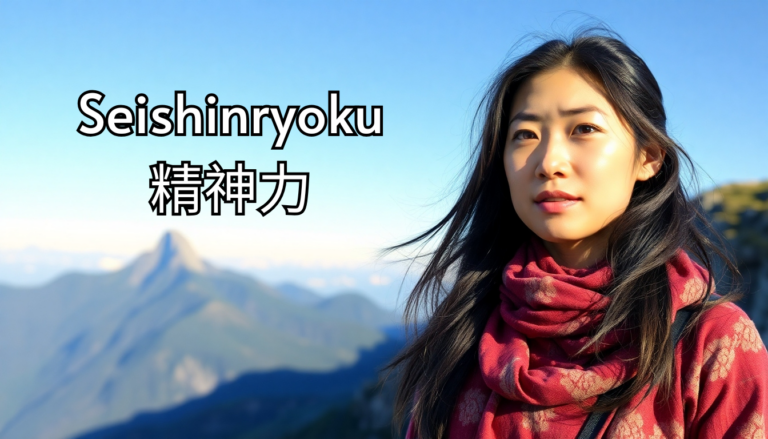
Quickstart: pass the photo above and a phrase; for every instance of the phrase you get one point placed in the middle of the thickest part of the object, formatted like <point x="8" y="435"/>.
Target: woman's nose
<point x="553" y="157"/>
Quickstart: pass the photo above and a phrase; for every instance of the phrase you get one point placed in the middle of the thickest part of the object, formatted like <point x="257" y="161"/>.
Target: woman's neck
<point x="581" y="253"/>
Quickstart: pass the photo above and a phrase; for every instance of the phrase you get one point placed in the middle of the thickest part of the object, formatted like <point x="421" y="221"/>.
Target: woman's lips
<point x="556" y="206"/>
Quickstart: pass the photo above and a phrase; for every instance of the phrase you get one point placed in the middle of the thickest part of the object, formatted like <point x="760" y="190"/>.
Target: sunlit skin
<point x="564" y="135"/>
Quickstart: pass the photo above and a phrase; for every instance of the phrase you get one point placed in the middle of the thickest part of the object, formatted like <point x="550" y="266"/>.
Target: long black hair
<point x="481" y="232"/>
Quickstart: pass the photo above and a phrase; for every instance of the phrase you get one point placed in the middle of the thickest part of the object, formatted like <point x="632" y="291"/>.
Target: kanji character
<point x="281" y="176"/>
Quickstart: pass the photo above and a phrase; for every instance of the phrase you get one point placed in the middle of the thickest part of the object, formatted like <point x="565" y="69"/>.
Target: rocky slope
<point x="740" y="213"/>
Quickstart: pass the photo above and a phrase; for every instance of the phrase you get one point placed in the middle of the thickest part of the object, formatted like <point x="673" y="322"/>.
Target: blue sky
<point x="426" y="63"/>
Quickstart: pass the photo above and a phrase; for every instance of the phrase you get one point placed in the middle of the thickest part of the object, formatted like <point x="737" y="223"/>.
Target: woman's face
<point x="570" y="161"/>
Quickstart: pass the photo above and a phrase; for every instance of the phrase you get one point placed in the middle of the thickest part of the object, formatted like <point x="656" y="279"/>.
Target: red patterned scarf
<point x="529" y="371"/>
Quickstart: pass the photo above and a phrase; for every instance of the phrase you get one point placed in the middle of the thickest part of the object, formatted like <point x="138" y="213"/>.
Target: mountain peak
<point x="172" y="252"/>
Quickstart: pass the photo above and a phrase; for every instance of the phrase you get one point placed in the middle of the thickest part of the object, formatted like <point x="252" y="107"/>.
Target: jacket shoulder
<point x="726" y="320"/>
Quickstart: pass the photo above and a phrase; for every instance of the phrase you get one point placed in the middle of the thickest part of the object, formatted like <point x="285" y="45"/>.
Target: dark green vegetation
<point x="368" y="415"/>
<point x="738" y="208"/>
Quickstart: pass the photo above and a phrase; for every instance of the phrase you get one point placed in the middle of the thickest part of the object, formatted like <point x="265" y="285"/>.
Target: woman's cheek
<point x="518" y="203"/>
<point x="614" y="200"/>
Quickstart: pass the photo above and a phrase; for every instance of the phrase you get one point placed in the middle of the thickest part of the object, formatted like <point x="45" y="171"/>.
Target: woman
<point x="569" y="253"/>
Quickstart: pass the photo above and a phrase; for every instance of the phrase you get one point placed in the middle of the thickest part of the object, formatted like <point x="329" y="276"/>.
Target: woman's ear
<point x="651" y="159"/>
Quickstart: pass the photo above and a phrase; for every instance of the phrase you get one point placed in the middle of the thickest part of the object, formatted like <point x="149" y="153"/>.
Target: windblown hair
<point x="482" y="233"/>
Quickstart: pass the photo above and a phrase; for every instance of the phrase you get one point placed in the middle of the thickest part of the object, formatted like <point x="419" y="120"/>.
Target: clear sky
<point x="426" y="63"/>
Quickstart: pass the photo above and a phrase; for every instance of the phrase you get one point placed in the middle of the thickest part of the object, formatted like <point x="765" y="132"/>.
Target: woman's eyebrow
<point x="530" y="117"/>
<point x="583" y="109"/>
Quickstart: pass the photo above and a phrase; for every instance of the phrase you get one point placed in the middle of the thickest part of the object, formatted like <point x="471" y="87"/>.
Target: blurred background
<point x="117" y="323"/>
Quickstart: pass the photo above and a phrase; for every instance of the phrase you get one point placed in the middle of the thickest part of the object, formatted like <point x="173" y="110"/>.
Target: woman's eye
<point x="523" y="135"/>
<point x="585" y="129"/>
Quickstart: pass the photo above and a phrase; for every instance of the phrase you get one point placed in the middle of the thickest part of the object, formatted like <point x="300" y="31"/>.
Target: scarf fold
<point x="528" y="359"/>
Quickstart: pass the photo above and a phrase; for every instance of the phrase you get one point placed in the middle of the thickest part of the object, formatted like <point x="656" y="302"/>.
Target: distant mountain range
<point x="90" y="350"/>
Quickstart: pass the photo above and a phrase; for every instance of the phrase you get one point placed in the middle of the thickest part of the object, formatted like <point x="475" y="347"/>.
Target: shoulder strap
<point x="595" y="421"/>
